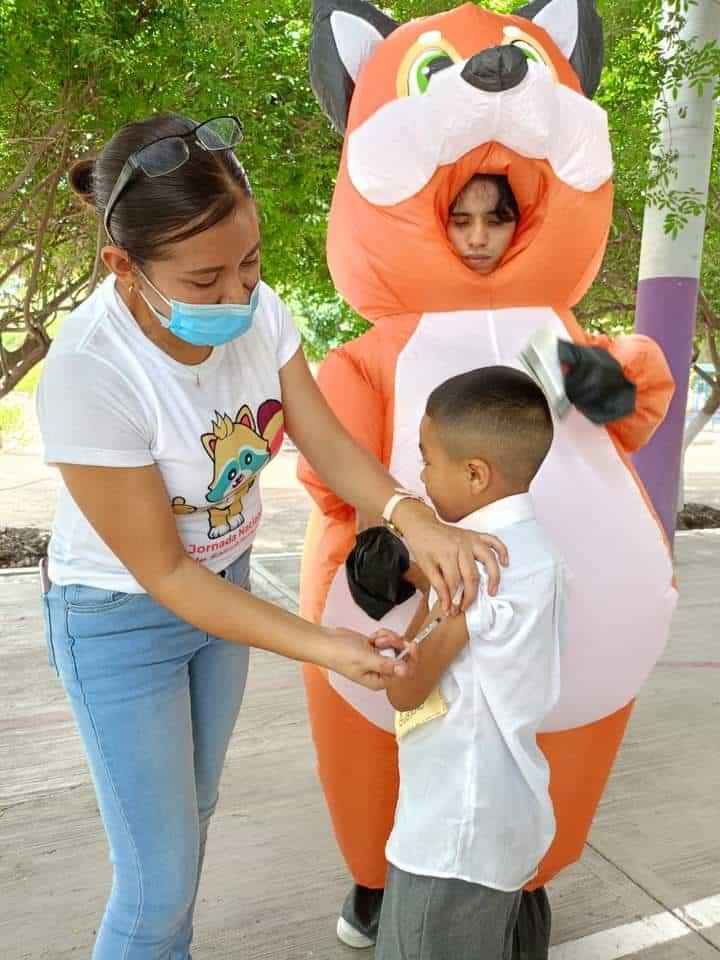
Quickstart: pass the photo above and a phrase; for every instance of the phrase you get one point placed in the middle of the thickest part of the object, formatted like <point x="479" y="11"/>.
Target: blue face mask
<point x="206" y="324"/>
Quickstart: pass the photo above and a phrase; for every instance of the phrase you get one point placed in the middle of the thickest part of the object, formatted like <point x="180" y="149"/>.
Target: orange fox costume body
<point x="410" y="146"/>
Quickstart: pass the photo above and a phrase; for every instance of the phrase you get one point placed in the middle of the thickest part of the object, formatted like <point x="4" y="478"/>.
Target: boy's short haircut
<point x="497" y="414"/>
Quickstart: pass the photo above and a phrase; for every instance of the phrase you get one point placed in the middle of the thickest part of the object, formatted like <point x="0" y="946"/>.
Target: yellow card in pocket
<point x="433" y="708"/>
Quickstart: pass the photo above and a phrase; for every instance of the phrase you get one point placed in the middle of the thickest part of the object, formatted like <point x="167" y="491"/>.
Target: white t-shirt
<point x="110" y="397"/>
<point x="474" y="802"/>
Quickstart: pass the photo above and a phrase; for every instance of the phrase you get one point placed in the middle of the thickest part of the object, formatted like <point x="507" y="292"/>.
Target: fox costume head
<point x="426" y="105"/>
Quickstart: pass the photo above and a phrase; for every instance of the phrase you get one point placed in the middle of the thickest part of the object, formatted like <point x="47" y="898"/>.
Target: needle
<point x="433" y="625"/>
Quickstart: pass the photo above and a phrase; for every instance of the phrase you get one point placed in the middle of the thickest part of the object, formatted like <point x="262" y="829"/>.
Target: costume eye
<point x="530" y="52"/>
<point x="232" y="473"/>
<point x="247" y="459"/>
<point x="530" y="46"/>
<point x="430" y="54"/>
<point x="425" y="67"/>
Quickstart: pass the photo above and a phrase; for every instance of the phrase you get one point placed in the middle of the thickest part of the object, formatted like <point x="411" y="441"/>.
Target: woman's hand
<point x="390" y="645"/>
<point x="447" y="556"/>
<point x="355" y="657"/>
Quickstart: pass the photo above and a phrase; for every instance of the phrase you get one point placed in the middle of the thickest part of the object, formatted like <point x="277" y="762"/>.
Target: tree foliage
<point x="73" y="72"/>
<point x="633" y="76"/>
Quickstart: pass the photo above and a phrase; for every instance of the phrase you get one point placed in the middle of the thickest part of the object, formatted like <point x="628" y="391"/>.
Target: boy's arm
<point x="418" y="621"/>
<point x="417" y="578"/>
<point x="434" y="656"/>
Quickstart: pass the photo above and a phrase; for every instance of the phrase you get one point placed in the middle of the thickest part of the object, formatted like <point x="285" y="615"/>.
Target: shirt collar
<point x="501" y="513"/>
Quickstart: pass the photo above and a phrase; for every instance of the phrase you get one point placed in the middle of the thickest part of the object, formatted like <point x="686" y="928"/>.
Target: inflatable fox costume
<point x="424" y="106"/>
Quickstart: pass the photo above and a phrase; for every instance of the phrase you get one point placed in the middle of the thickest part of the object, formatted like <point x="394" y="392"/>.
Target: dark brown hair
<point x="496" y="413"/>
<point x="152" y="213"/>
<point x="506" y="209"/>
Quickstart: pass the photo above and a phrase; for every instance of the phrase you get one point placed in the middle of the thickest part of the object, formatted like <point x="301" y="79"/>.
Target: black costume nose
<point x="496" y="69"/>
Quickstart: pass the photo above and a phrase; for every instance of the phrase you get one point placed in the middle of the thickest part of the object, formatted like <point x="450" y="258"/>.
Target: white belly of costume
<point x="620" y="598"/>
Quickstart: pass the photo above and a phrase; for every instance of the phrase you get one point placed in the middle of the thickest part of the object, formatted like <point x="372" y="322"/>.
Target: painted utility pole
<point x="670" y="262"/>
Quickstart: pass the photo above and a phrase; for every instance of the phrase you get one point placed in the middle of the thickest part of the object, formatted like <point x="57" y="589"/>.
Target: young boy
<point x="474" y="816"/>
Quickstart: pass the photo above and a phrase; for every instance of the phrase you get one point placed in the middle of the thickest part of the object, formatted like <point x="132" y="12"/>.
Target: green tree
<point x="633" y="78"/>
<point x="72" y="72"/>
<point x="633" y="75"/>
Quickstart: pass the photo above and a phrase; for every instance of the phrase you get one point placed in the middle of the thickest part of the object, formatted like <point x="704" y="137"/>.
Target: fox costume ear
<point x="344" y="35"/>
<point x="576" y="28"/>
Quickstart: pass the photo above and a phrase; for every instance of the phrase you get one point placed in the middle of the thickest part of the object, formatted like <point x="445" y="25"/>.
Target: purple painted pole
<point x="670" y="263"/>
<point x="666" y="312"/>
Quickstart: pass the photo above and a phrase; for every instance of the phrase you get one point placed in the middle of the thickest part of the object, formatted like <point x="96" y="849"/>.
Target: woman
<point x="162" y="398"/>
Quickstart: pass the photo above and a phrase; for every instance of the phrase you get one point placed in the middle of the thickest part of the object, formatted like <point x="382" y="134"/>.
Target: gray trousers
<point x="428" y="918"/>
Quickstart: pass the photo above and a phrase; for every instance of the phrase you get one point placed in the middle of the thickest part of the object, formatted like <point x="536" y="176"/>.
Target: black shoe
<point x="359" y="919"/>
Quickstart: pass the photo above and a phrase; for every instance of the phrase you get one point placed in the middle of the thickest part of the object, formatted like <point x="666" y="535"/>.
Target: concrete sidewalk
<point x="273" y="878"/>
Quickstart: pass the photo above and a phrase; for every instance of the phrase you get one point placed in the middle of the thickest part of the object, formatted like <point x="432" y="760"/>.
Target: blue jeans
<point x="155" y="702"/>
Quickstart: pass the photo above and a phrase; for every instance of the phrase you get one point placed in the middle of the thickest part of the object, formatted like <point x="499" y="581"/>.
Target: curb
<point x="6" y="572"/>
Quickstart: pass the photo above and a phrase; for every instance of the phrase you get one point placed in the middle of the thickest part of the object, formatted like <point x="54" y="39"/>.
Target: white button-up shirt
<point x="474" y="801"/>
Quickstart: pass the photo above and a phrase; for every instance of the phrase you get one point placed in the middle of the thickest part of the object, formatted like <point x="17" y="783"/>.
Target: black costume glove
<point x="595" y="383"/>
<point x="375" y="569"/>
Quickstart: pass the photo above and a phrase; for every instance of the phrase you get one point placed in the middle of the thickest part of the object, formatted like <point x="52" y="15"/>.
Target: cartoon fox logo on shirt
<point x="239" y="449"/>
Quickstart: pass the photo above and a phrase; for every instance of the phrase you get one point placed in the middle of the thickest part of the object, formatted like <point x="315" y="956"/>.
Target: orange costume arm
<point x="359" y="407"/>
<point x="644" y="364"/>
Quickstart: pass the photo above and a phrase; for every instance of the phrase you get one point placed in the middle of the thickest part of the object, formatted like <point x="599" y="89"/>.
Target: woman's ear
<point x="118" y="262"/>
<point x="479" y="473"/>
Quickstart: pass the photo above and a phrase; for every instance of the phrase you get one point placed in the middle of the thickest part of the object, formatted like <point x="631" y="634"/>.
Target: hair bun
<point x="80" y="178"/>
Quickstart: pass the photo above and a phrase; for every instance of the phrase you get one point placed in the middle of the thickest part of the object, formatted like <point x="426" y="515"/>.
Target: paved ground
<point x="28" y="487"/>
<point x="274" y="878"/>
<point x="702" y="475"/>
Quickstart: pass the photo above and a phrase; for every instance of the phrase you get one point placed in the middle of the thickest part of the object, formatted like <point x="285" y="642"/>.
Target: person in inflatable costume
<point x="423" y="107"/>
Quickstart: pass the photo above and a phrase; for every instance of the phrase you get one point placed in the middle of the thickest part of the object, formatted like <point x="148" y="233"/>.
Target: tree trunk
<point x="670" y="260"/>
<point x="14" y="364"/>
<point x="21" y="361"/>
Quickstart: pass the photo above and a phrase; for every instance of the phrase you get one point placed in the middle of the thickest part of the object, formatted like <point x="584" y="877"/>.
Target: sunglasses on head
<point x="167" y="154"/>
